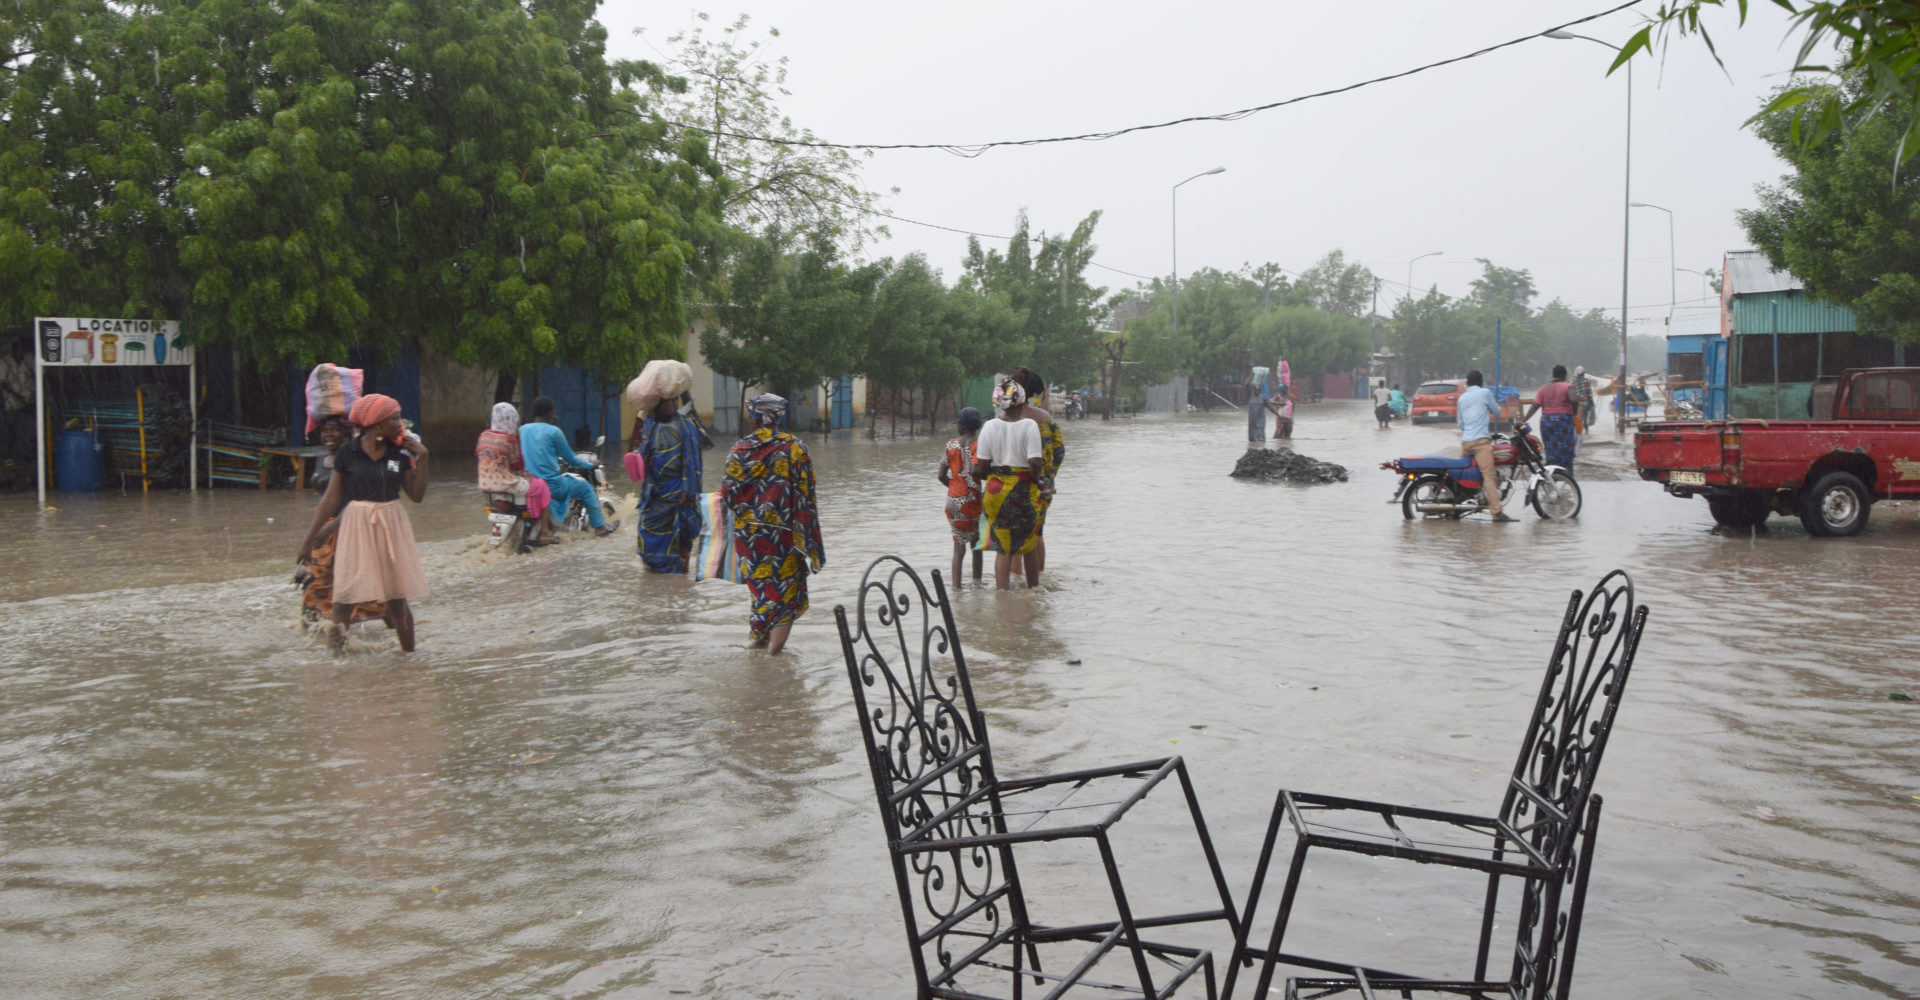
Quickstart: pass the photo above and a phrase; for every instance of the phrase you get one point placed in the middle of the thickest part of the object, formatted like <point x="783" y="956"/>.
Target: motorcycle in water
<point x="575" y="517"/>
<point x="1076" y="407"/>
<point x="1432" y="486"/>
<point x="511" y="525"/>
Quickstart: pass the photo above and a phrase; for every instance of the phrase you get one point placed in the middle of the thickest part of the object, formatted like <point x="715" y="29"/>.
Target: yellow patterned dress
<point x="776" y="530"/>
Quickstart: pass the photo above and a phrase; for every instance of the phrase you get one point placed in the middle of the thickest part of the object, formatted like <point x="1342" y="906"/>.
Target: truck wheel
<point x="1738" y="511"/>
<point x="1836" y="506"/>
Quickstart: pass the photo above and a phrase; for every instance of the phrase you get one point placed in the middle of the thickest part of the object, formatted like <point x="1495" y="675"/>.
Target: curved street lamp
<point x="1626" y="223"/>
<point x="1176" y="243"/>
<point x="1673" y="283"/>
<point x="1423" y="256"/>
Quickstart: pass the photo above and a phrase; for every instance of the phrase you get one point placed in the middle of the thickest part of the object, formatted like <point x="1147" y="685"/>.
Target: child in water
<point x="963" y="492"/>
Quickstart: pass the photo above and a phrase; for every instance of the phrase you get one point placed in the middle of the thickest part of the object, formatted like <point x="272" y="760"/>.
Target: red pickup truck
<point x="1826" y="471"/>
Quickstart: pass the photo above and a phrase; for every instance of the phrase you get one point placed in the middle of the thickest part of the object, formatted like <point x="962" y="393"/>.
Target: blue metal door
<point x="1715" y="363"/>
<point x="842" y="410"/>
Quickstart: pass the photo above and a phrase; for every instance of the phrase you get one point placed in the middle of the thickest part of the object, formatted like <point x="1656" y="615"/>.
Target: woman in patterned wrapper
<point x="1053" y="451"/>
<point x="768" y="493"/>
<point x="1008" y="458"/>
<point x="316" y="573"/>
<point x="963" y="493"/>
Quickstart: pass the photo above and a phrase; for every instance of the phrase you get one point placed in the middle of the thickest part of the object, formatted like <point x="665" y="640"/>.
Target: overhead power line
<point x="975" y="149"/>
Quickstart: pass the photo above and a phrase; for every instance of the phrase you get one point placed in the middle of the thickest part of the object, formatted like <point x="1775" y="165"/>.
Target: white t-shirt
<point x="1382" y="396"/>
<point x="1012" y="443"/>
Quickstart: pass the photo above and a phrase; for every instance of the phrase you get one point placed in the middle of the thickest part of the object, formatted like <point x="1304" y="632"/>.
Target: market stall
<point x="85" y="342"/>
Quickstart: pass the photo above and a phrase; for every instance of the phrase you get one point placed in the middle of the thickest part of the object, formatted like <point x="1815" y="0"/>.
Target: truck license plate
<point x="1688" y="478"/>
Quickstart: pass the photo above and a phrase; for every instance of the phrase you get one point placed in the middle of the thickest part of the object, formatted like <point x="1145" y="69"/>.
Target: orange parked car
<point x="1437" y="400"/>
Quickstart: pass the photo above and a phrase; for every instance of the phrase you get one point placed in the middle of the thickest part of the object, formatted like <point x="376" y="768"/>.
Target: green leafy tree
<point x="729" y="87"/>
<point x="1333" y="285"/>
<point x="1049" y="291"/>
<point x="1837" y="224"/>
<point x="299" y="179"/>
<point x="1876" y="76"/>
<point x="798" y="314"/>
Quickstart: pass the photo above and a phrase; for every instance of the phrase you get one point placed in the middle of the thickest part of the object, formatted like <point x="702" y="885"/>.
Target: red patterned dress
<point x="776" y="530"/>
<point x="963" y="492"/>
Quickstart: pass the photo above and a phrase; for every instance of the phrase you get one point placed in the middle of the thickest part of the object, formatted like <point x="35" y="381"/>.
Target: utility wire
<point x="970" y="150"/>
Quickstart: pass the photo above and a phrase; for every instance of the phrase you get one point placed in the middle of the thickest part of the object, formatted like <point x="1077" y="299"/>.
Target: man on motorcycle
<point x="544" y="449"/>
<point x="1476" y="410"/>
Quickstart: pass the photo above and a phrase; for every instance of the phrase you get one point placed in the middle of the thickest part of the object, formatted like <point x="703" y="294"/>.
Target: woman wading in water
<point x="1008" y="459"/>
<point x="375" y="557"/>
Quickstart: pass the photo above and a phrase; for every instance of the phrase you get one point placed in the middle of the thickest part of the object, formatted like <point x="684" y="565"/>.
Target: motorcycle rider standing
<point x="1475" y="411"/>
<point x="544" y="449"/>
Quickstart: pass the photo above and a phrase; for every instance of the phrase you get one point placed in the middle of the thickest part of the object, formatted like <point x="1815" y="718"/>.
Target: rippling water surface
<point x="584" y="784"/>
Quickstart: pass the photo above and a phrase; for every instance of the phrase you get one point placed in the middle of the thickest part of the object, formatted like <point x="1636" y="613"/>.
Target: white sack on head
<point x="659" y="380"/>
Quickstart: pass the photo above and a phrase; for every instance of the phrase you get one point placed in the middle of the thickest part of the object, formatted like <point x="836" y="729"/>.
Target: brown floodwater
<point x="584" y="784"/>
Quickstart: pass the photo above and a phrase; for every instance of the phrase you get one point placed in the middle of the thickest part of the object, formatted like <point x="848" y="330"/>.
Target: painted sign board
<point x="91" y="341"/>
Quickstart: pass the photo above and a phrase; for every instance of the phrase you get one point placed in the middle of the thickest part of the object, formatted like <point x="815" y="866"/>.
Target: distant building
<point x="1782" y="339"/>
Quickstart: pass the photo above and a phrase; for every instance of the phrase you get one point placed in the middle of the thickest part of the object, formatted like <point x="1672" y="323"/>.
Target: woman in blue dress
<point x="669" y="444"/>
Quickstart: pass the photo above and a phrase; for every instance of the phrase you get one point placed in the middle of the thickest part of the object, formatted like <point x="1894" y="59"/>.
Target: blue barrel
<point x="76" y="463"/>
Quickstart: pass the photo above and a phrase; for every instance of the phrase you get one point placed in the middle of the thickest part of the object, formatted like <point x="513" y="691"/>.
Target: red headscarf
<point x="372" y="408"/>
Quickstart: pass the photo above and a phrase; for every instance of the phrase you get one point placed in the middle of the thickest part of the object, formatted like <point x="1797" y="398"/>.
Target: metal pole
<point x="39" y="417"/>
<point x="193" y="417"/>
<point x="1626" y="249"/>
<point x="1626" y="238"/>
<point x="1776" y="359"/>
<point x="1174" y="233"/>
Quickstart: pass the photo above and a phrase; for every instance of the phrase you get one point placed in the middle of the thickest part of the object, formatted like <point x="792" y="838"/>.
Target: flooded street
<point x="584" y="784"/>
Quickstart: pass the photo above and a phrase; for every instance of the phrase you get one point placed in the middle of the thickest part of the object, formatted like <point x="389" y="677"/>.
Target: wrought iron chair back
<point x="1573" y="716"/>
<point x="932" y="767"/>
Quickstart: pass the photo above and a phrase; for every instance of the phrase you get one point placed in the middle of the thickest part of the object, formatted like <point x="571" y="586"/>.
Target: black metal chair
<point x="954" y="827"/>
<point x="1554" y="934"/>
<point x="1531" y="838"/>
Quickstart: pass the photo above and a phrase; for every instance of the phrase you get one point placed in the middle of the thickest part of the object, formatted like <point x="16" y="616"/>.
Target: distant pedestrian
<point x="1383" y="404"/>
<point x="1580" y="394"/>
<point x="1283" y="413"/>
<point x="1475" y="411"/>
<point x="963" y="493"/>
<point x="1556" y="419"/>
<point x="768" y="492"/>
<point x="1258" y="403"/>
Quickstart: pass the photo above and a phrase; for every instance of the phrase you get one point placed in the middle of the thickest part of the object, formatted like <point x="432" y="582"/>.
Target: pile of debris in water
<point x="1286" y="466"/>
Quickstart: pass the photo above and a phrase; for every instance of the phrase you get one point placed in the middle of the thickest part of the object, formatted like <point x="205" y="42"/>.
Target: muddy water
<point x="584" y="785"/>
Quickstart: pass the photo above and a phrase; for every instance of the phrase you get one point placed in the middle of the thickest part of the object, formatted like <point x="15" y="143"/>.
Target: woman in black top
<point x="375" y="557"/>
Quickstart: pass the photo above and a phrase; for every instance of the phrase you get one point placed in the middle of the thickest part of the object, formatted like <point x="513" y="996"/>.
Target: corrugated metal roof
<point x="1690" y="321"/>
<point x="1748" y="273"/>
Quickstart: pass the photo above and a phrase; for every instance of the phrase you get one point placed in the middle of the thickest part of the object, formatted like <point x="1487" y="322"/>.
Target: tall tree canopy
<point x="730" y="86"/>
<point x="296" y="179"/>
<point x="1837" y="224"/>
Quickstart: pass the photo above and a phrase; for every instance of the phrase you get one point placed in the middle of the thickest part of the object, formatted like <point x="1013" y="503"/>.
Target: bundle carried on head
<point x="659" y="380"/>
<point x="331" y="392"/>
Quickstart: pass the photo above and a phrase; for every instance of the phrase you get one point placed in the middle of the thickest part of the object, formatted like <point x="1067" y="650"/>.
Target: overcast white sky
<point x="1515" y="156"/>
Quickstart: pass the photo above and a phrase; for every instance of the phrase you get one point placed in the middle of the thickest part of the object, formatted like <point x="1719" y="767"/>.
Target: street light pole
<point x="1423" y="256"/>
<point x="1703" y="279"/>
<point x="1673" y="283"/>
<point x="1175" y="230"/>
<point x="1626" y="236"/>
